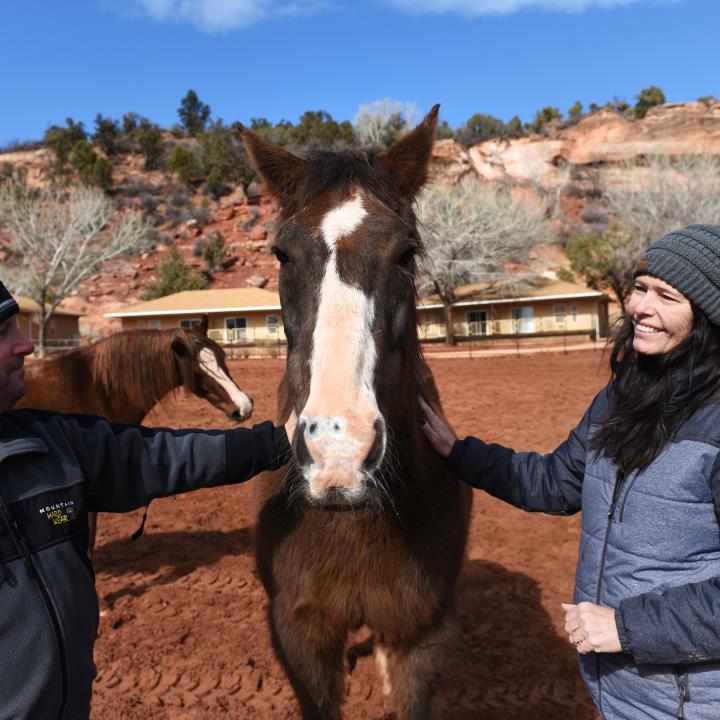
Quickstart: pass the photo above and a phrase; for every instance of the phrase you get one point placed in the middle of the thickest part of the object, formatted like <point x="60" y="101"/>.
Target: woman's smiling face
<point x="662" y="316"/>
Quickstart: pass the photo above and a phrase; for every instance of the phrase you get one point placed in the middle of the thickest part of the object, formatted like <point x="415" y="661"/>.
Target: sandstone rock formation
<point x="603" y="138"/>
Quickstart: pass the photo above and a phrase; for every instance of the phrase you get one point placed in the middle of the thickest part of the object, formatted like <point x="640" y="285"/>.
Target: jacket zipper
<point x="682" y="680"/>
<point x="22" y="548"/>
<point x="619" y="480"/>
<point x="625" y="497"/>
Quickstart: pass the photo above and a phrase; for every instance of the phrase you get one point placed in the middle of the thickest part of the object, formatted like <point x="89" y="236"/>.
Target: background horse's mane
<point x="140" y="365"/>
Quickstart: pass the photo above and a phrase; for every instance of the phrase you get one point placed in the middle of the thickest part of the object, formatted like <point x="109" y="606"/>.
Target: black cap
<point x="8" y="306"/>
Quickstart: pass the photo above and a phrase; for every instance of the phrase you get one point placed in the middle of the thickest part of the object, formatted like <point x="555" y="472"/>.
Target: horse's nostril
<point x="312" y="429"/>
<point x="377" y="449"/>
<point x="302" y="453"/>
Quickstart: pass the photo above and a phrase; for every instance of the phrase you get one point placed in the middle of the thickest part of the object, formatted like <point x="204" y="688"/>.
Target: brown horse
<point x="121" y="377"/>
<point x="368" y="526"/>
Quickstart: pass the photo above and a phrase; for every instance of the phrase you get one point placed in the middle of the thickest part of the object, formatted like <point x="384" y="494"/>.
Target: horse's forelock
<point x="333" y="177"/>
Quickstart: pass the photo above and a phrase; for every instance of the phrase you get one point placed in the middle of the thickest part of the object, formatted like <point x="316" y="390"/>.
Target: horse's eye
<point x="407" y="256"/>
<point x="283" y="257"/>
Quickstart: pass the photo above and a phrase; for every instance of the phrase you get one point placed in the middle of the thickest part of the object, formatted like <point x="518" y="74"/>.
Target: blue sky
<point x="278" y="58"/>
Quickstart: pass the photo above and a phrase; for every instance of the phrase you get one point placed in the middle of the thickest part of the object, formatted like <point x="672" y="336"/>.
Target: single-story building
<point x="242" y="316"/>
<point x="62" y="330"/>
<point x="544" y="308"/>
<point x="253" y="317"/>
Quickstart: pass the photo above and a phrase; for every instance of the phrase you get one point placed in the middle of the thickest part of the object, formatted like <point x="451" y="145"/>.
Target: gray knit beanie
<point x="689" y="260"/>
<point x="8" y="306"/>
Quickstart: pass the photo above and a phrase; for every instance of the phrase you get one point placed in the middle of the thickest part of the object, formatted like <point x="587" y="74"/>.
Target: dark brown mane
<point x="140" y="365"/>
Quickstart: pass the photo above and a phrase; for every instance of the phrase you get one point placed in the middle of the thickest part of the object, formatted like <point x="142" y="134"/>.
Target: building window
<point x="273" y="324"/>
<point x="574" y="312"/>
<point x="560" y="313"/>
<point x="153" y="324"/>
<point x="140" y="324"/>
<point x="522" y="320"/>
<point x="189" y="323"/>
<point x="476" y="322"/>
<point x="236" y="328"/>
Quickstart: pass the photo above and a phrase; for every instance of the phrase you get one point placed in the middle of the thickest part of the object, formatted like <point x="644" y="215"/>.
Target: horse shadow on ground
<point x="166" y="557"/>
<point x="509" y="661"/>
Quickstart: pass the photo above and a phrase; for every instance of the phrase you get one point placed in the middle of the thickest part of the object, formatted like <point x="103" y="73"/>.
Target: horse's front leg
<point x="310" y="647"/>
<point x="411" y="672"/>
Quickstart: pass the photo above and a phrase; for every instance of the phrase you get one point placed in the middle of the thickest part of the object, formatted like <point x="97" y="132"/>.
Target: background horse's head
<point x="347" y="241"/>
<point x="201" y="364"/>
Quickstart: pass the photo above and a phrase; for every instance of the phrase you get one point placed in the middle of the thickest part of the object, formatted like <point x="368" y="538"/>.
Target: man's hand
<point x="591" y="628"/>
<point x="441" y="437"/>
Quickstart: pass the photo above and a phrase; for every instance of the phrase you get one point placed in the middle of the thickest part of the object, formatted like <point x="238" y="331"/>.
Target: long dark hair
<point x="652" y="396"/>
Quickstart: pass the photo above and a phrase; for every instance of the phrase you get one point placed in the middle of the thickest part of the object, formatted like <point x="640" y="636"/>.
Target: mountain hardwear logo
<point x="60" y="513"/>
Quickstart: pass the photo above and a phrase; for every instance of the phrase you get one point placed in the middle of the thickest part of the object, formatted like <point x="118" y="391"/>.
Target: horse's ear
<point x="203" y="326"/>
<point x="180" y="343"/>
<point x="280" y="169"/>
<point x="408" y="159"/>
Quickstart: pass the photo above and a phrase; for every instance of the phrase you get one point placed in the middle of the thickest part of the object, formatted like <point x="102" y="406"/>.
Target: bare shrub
<point x="60" y="237"/>
<point x="470" y="231"/>
<point x="382" y="122"/>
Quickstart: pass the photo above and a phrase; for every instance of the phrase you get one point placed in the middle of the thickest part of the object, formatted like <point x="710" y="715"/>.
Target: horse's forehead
<point x="342" y="220"/>
<point x="353" y="223"/>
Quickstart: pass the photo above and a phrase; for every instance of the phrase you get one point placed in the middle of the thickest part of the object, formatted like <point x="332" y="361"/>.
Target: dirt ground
<point x="183" y="633"/>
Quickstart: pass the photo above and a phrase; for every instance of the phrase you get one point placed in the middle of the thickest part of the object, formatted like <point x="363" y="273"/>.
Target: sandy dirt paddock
<point x="183" y="632"/>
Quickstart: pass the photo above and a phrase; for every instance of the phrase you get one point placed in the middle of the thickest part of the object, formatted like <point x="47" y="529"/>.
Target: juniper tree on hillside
<point x="647" y="98"/>
<point x="193" y="113"/>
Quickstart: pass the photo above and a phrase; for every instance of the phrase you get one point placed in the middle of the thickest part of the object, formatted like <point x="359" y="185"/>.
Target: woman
<point x="644" y="467"/>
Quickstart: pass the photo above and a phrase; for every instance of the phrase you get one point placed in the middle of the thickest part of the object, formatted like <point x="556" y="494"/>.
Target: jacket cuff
<point x="468" y="458"/>
<point x="455" y="457"/>
<point x="252" y="451"/>
<point x="282" y="446"/>
<point x="623" y="633"/>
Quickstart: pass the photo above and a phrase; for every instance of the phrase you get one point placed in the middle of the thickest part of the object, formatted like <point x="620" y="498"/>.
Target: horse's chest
<point x="359" y="573"/>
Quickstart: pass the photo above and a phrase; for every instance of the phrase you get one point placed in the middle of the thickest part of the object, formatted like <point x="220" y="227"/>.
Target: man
<point x="53" y="469"/>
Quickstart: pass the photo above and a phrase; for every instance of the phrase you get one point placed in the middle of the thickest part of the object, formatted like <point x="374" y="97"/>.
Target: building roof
<point x="256" y="299"/>
<point x="204" y="301"/>
<point x="515" y="291"/>
<point x="28" y="305"/>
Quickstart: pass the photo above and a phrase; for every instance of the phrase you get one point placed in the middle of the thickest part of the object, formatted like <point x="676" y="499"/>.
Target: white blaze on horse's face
<point x="342" y="427"/>
<point x="209" y="365"/>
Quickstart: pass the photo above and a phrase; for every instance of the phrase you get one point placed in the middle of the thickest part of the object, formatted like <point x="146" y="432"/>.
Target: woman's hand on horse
<point x="591" y="628"/>
<point x="441" y="437"/>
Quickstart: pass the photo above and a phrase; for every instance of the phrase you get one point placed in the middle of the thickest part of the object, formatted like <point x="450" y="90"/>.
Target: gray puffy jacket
<point x="53" y="470"/>
<point x="650" y="548"/>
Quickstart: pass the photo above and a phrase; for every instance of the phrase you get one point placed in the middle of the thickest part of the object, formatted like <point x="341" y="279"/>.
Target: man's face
<point x="14" y="346"/>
